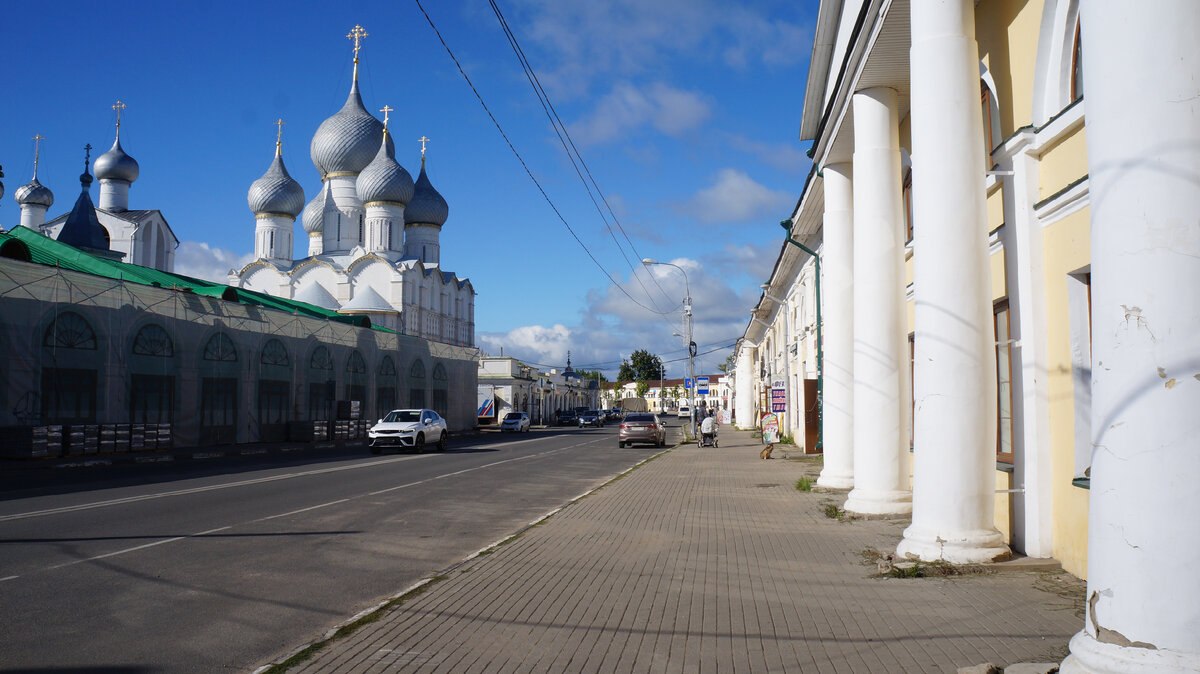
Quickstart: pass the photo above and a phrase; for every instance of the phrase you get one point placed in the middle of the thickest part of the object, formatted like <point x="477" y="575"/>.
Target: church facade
<point x="373" y="232"/>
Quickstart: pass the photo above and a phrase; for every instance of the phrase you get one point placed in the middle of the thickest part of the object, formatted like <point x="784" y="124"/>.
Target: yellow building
<point x="972" y="372"/>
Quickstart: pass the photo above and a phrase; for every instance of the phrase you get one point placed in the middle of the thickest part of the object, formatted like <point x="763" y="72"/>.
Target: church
<point x="373" y="234"/>
<point x="110" y="351"/>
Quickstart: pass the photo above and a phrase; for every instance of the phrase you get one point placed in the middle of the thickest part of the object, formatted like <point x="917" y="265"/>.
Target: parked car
<point x="684" y="412"/>
<point x="565" y="418"/>
<point x="591" y="418"/>
<point x="612" y="415"/>
<point x="411" y="429"/>
<point x="515" y="421"/>
<point x="642" y="427"/>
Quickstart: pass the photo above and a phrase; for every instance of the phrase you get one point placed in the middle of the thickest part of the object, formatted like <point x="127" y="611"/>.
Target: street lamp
<point x="687" y="328"/>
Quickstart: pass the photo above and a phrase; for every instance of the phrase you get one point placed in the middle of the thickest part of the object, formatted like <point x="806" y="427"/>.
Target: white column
<point x="114" y="195"/>
<point x="33" y="216"/>
<point x="744" y="395"/>
<point x="1143" y="128"/>
<point x="954" y="367"/>
<point x="837" y="313"/>
<point x="881" y="391"/>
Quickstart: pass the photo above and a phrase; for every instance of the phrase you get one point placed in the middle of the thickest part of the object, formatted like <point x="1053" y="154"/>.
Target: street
<point x="203" y="565"/>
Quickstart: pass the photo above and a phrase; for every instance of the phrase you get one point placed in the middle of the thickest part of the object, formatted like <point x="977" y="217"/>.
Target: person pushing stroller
<point x="708" y="430"/>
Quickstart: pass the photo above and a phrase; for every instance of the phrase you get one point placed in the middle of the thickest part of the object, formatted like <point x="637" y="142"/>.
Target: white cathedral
<point x="372" y="233"/>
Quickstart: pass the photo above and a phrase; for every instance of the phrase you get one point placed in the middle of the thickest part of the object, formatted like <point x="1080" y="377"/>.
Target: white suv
<point x="408" y="429"/>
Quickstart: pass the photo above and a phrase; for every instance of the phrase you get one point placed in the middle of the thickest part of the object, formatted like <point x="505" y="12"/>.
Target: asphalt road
<point x="225" y="564"/>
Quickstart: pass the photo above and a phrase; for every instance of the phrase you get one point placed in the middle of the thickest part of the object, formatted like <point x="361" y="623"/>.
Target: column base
<point x="831" y="480"/>
<point x="1091" y="656"/>
<point x="972" y="546"/>
<point x="864" y="502"/>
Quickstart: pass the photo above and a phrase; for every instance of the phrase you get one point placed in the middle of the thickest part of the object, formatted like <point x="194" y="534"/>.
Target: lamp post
<point x="687" y="329"/>
<point x="787" y="225"/>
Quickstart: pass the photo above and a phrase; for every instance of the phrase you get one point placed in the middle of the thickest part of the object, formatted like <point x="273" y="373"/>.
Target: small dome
<point x="427" y="206"/>
<point x="384" y="179"/>
<point x="276" y="191"/>
<point x="33" y="192"/>
<point x="116" y="165"/>
<point x="313" y="217"/>
<point x="346" y="142"/>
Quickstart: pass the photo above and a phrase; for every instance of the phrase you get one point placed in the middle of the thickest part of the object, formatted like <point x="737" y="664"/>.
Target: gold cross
<point x="37" y="147"/>
<point x="357" y="34"/>
<point x="385" y="112"/>
<point x="279" y="136"/>
<point x="119" y="106"/>
<point x="423" y="140"/>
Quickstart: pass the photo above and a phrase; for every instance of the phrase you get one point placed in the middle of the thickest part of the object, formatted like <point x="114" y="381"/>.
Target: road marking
<point x="468" y="470"/>
<point x="136" y="548"/>
<point x="303" y="510"/>
<point x="198" y="490"/>
<point x="9" y="578"/>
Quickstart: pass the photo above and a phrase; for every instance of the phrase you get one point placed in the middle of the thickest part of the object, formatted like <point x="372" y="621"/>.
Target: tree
<point x="642" y="387"/>
<point x="592" y="374"/>
<point x="642" y="366"/>
<point x="728" y="364"/>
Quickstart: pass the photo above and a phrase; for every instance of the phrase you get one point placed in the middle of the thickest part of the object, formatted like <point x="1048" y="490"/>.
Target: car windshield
<point x="512" y="416"/>
<point x="402" y="416"/>
<point x="640" y="417"/>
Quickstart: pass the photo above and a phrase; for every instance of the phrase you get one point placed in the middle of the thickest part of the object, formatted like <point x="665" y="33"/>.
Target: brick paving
<point x="708" y="560"/>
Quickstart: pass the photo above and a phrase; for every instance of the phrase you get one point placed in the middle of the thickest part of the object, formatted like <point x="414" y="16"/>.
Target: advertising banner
<point x="779" y="400"/>
<point x="770" y="429"/>
<point x="487" y="402"/>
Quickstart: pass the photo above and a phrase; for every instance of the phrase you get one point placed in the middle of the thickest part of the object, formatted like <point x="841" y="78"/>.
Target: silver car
<point x="515" y="421"/>
<point x="642" y="427"/>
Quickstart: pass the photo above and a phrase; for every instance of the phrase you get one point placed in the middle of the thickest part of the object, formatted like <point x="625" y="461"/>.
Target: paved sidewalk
<point x="707" y="560"/>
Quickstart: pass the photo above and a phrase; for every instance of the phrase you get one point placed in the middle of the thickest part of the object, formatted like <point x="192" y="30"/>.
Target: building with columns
<point x="1003" y="199"/>
<point x="372" y="232"/>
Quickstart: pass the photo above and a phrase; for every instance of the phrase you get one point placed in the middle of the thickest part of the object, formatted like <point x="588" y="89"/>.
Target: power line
<point x="528" y="171"/>
<point x="568" y="144"/>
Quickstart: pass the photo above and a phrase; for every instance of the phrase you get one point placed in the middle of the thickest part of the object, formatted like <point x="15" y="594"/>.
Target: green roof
<point x="44" y="250"/>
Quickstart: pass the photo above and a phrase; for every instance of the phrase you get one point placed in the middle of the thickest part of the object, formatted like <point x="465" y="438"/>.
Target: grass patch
<point x="804" y="484"/>
<point x="349" y="628"/>
<point x="833" y="511"/>
<point x="887" y="567"/>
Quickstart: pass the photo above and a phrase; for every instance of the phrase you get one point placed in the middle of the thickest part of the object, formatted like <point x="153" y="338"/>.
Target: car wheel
<point x="620" y="444"/>
<point x="375" y="449"/>
<point x="419" y="443"/>
<point x="441" y="445"/>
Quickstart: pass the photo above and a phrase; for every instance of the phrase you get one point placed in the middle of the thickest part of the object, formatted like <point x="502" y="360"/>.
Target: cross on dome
<point x="37" y="148"/>
<point x="279" y="135"/>
<point x="357" y="34"/>
<point x="119" y="106"/>
<point x="385" y="110"/>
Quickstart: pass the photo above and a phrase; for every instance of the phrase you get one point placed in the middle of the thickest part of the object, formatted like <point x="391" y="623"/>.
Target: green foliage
<point x="592" y="374"/>
<point x="728" y="364"/>
<point x="642" y="387"/>
<point x="641" y="366"/>
<point x="804" y="484"/>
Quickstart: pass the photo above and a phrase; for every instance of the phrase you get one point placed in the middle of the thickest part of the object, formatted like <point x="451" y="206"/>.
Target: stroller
<point x="708" y="433"/>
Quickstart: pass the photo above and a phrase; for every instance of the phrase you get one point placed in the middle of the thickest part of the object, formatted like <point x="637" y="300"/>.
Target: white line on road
<point x="303" y="510"/>
<point x="136" y="548"/>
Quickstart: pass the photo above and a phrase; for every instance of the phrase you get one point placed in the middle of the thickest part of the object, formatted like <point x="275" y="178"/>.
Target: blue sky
<point x="686" y="112"/>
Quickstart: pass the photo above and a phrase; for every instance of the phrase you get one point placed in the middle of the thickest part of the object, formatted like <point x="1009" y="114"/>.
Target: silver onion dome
<point x="313" y="217"/>
<point x="384" y="179"/>
<point x="346" y="142"/>
<point x="116" y="165"/>
<point x="33" y="192"/>
<point x="276" y="191"/>
<point x="427" y="206"/>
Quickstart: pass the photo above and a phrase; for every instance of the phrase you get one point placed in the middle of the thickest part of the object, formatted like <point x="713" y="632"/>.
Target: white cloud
<point x="625" y="108"/>
<point x="197" y="259"/>
<point x="735" y="197"/>
<point x="786" y="157"/>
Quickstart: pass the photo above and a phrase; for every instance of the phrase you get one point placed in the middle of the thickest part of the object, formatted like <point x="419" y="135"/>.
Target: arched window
<point x="387" y="367"/>
<point x="321" y="359"/>
<point x="416" y="384"/>
<point x="70" y="331"/>
<point x="1077" y="66"/>
<point x="220" y="348"/>
<point x="355" y="363"/>
<point x="274" y="353"/>
<point x="441" y="399"/>
<point x="385" y="392"/>
<point x="152" y="340"/>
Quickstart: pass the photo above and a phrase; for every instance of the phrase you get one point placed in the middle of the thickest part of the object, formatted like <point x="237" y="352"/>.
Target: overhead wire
<point x="568" y="144"/>
<point x="528" y="171"/>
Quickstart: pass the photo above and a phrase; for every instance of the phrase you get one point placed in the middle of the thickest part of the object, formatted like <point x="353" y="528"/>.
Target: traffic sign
<point x="702" y="384"/>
